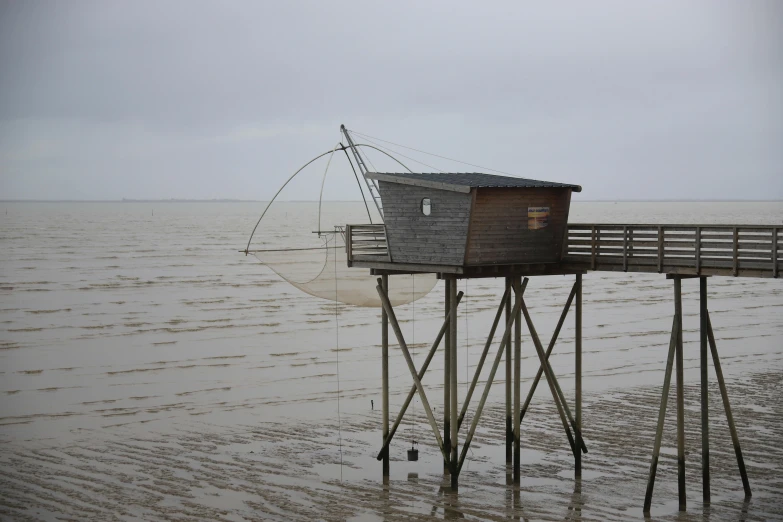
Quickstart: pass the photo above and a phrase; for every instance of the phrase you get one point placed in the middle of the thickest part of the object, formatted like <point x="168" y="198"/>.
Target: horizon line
<point x="231" y="200"/>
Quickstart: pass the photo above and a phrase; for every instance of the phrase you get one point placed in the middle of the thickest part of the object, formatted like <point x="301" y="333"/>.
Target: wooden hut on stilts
<point x="475" y="225"/>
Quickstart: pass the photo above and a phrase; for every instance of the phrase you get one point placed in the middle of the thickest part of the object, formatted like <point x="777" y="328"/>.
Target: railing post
<point x="735" y="269"/>
<point x="660" y="249"/>
<point x="774" y="252"/>
<point x="698" y="250"/>
<point x="348" y="246"/>
<point x="592" y="249"/>
<point x="625" y="248"/>
<point x="598" y="244"/>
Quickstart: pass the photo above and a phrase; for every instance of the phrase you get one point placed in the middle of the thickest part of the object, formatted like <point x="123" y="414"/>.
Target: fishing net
<point x="302" y="242"/>
<point x="335" y="280"/>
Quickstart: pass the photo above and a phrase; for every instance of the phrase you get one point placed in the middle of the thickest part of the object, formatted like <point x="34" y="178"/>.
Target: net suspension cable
<point x="339" y="147"/>
<point x="337" y="357"/>
<point x="368" y="137"/>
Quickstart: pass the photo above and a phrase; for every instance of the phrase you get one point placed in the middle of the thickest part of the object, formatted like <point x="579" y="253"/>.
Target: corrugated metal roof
<point x="475" y="179"/>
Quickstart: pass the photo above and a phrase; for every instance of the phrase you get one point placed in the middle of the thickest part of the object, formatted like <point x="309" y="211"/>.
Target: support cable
<point x="337" y="351"/>
<point x="366" y="136"/>
<point x="341" y="147"/>
<point x="403" y="155"/>
<point x="383" y="151"/>
<point x="467" y="338"/>
<point x="247" y="249"/>
<point x="323" y="182"/>
<point x="413" y="352"/>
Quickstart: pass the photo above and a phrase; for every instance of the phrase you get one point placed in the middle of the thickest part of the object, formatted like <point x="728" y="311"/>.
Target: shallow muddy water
<point x="148" y="370"/>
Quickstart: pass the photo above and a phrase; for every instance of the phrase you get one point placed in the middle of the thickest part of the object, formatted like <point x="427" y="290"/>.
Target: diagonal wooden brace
<point x="729" y="417"/>
<point x="667" y="379"/>
<point x="451" y="317"/>
<point x="549" y="349"/>
<point x="404" y="348"/>
<point x="557" y="393"/>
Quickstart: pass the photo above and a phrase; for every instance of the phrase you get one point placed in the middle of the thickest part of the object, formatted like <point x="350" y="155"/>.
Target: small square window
<point x="426" y="206"/>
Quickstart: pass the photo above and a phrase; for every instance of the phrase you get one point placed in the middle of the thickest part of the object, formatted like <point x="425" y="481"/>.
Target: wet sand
<point x="149" y="371"/>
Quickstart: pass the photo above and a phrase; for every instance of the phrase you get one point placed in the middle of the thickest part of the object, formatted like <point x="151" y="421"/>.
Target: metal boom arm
<point x="372" y="185"/>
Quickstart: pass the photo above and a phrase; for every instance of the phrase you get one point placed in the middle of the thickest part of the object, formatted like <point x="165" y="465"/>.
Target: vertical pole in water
<point x="517" y="381"/>
<point x="385" y="376"/>
<point x="680" y="396"/>
<point x="509" y="423"/>
<point x="453" y="415"/>
<point x="705" y="417"/>
<point x="578" y="376"/>
<point x="447" y="380"/>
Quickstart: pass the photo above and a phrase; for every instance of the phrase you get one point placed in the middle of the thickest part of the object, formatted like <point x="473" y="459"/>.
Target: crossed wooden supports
<point x="453" y="422"/>
<point x="676" y="349"/>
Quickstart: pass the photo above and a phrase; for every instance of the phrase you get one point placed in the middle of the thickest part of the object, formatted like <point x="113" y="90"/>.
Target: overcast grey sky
<point x="193" y="99"/>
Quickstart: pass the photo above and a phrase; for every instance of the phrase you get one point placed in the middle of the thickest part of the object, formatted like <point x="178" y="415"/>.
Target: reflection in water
<point x="451" y="507"/>
<point x="575" y="505"/>
<point x="744" y="512"/>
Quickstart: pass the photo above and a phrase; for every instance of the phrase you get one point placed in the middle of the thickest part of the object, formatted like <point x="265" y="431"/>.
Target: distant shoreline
<point x="359" y="201"/>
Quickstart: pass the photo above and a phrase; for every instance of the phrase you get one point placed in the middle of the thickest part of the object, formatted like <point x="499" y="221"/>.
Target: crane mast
<point x="372" y="185"/>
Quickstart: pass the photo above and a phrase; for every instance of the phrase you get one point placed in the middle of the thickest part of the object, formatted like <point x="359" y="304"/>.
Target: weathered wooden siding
<point x="499" y="231"/>
<point x="412" y="237"/>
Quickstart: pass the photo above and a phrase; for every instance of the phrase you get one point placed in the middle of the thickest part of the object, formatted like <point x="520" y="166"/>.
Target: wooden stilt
<point x="729" y="417"/>
<point x="680" y="397"/>
<point x="483" y="357"/>
<point x="667" y="379"/>
<point x="506" y="341"/>
<point x="406" y="354"/>
<point x="550" y="376"/>
<point x="705" y="417"/>
<point x="578" y="376"/>
<point x="509" y="422"/>
<point x="453" y="383"/>
<point x="517" y="382"/>
<point x="446" y="381"/>
<point x="385" y="376"/>
<point x="452" y="316"/>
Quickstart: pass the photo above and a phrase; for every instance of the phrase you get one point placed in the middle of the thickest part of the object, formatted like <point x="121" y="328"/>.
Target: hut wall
<point x="437" y="239"/>
<point x="501" y="231"/>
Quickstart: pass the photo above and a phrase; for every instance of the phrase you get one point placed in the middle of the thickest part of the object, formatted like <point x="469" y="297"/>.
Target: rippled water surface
<point x="148" y="370"/>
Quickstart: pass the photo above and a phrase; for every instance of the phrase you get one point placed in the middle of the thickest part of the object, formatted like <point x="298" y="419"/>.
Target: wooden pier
<point x="475" y="225"/>
<point x="677" y="251"/>
<point x="692" y="250"/>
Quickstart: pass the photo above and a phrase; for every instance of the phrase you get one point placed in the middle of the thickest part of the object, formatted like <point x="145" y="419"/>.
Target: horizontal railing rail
<point x="697" y="249"/>
<point x="366" y="243"/>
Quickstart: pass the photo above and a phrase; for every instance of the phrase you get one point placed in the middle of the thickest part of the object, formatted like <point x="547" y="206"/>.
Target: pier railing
<point x="366" y="243"/>
<point x="734" y="250"/>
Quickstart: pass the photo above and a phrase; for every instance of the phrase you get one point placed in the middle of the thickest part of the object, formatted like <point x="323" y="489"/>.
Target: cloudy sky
<point x="191" y="99"/>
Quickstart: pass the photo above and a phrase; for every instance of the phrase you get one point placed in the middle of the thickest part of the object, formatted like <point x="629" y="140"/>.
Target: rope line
<point x="323" y="182"/>
<point x="413" y="354"/>
<point x="366" y="136"/>
<point x="337" y="341"/>
<point x="467" y="338"/>
<point x="403" y="155"/>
